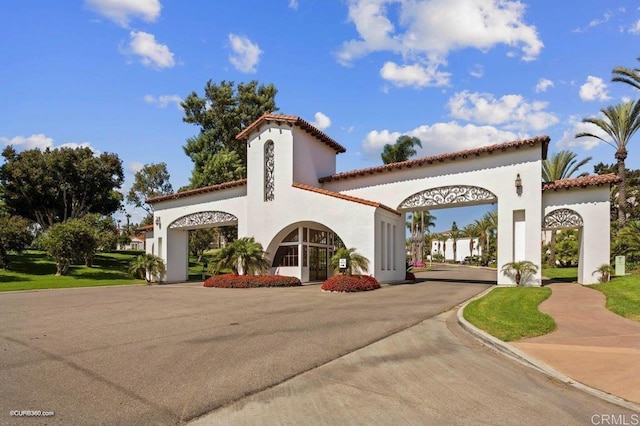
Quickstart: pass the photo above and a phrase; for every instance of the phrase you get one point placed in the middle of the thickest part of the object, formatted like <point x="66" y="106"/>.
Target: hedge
<point x="250" y="281"/>
<point x="350" y="283"/>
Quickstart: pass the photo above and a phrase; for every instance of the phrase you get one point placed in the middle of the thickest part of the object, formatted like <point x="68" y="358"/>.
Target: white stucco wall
<point x="445" y="247"/>
<point x="592" y="204"/>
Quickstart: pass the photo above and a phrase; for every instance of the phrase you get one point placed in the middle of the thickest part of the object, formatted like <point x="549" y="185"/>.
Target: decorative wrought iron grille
<point x="202" y="218"/>
<point x="444" y="195"/>
<point x="562" y="218"/>
<point x="269" y="169"/>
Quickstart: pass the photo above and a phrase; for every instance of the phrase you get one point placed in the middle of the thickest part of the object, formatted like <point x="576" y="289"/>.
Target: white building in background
<point x="294" y="203"/>
<point x="444" y="247"/>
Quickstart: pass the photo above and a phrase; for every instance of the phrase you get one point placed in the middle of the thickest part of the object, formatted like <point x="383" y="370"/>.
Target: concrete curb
<point x="527" y="360"/>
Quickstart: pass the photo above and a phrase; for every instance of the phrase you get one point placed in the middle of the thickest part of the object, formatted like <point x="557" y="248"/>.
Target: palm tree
<point x="356" y="263"/>
<point x="455" y="235"/>
<point x="401" y="150"/>
<point x="604" y="271"/>
<point x="243" y="256"/>
<point x="472" y="232"/>
<point x="147" y="267"/>
<point x="561" y="165"/>
<point x="627" y="75"/>
<point x="519" y="270"/>
<point x="419" y="225"/>
<point x="621" y="122"/>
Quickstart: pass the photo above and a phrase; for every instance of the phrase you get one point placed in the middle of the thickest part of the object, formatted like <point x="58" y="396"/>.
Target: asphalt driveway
<point x="167" y="354"/>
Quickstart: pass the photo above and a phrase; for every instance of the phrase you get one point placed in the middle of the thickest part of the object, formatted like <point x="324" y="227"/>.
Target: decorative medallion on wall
<point x="458" y="194"/>
<point x="562" y="218"/>
<point x="202" y="218"/>
<point x="269" y="170"/>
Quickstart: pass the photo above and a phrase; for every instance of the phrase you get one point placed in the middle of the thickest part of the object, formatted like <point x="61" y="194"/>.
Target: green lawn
<point x="623" y="295"/>
<point x="568" y="275"/>
<point x="511" y="313"/>
<point x="33" y="270"/>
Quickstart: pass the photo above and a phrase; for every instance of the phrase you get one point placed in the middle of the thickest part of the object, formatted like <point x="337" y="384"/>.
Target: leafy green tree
<point x="520" y="271"/>
<point x="148" y="267"/>
<point x="199" y="241"/>
<point x="105" y="230"/>
<point x="53" y="186"/>
<point x="221" y="114"/>
<point x="150" y="181"/>
<point x="401" y="150"/>
<point x="566" y="248"/>
<point x="244" y="256"/>
<point x="621" y="122"/>
<point x="14" y="236"/>
<point x="356" y="263"/>
<point x="561" y="165"/>
<point x="68" y="242"/>
<point x="626" y="242"/>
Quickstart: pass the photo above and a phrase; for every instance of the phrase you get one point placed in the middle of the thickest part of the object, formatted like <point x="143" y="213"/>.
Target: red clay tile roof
<point x="344" y="197"/>
<point x="197" y="191"/>
<point x="292" y="120"/>
<point x="420" y="162"/>
<point x="581" y="182"/>
<point x="144" y="228"/>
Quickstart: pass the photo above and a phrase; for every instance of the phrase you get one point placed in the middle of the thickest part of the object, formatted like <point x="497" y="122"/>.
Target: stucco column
<point x="177" y="255"/>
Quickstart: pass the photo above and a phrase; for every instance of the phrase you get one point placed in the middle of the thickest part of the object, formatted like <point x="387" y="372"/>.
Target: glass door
<point x="317" y="263"/>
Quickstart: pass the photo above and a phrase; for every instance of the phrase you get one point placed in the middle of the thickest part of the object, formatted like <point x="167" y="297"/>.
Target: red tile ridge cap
<point x="145" y="228"/>
<point x="581" y="182"/>
<point x="197" y="191"/>
<point x="344" y="197"/>
<point x="296" y="121"/>
<point x="419" y="162"/>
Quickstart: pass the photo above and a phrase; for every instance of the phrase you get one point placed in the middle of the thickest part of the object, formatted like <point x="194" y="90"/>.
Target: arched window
<point x="269" y="171"/>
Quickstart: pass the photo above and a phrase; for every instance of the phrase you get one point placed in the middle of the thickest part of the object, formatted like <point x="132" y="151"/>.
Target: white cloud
<point x="293" y="4"/>
<point x="569" y="140"/>
<point x="477" y="71"/>
<point x="594" y="89"/>
<point x="321" y="121"/>
<point x="426" y="31"/>
<point x="152" y="54"/>
<point x="40" y="141"/>
<point x="414" y="75"/>
<point x="134" y="166"/>
<point x="163" y="101"/>
<point x="439" y="138"/>
<point x="246" y="54"/>
<point x="543" y="85"/>
<point x="635" y="28"/>
<point x="123" y="11"/>
<point x="512" y="112"/>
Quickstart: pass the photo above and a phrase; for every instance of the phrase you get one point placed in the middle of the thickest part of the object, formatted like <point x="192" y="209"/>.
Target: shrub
<point x="250" y="281"/>
<point x="350" y="283"/>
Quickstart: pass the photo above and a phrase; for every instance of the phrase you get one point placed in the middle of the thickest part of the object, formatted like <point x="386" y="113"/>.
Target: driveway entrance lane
<point x="140" y="355"/>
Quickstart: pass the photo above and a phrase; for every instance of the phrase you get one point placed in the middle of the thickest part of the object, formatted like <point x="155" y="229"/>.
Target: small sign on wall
<point x="343" y="263"/>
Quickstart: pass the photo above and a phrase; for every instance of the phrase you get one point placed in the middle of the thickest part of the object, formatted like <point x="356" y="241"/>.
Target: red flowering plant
<point x="350" y="283"/>
<point x="250" y="281"/>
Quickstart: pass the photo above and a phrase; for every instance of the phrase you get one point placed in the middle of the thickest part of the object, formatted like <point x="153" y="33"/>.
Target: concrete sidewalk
<point x="591" y="344"/>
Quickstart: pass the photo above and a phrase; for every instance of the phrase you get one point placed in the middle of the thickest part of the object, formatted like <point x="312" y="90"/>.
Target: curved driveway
<point x="168" y="354"/>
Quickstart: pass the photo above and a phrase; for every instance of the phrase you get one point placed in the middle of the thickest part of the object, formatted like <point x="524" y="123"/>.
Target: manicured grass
<point x="511" y="313"/>
<point x="568" y="275"/>
<point x="623" y="295"/>
<point x="33" y="270"/>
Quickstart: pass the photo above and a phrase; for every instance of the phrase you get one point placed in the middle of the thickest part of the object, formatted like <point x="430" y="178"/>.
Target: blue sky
<point x="456" y="73"/>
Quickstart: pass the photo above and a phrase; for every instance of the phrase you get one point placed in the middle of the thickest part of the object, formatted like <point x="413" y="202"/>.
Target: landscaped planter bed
<point x="251" y="281"/>
<point x="350" y="283"/>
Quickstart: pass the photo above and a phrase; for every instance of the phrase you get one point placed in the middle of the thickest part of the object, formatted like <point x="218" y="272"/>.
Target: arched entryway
<point x="558" y="228"/>
<point x="304" y="250"/>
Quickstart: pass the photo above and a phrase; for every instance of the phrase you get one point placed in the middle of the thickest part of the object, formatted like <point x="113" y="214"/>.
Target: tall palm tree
<point x="627" y="75"/>
<point x="243" y="256"/>
<point x="472" y="232"/>
<point x="621" y="122"/>
<point x="419" y="225"/>
<point x="401" y="150"/>
<point x="356" y="263"/>
<point x="561" y="165"/>
<point x="455" y="234"/>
